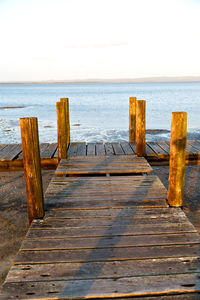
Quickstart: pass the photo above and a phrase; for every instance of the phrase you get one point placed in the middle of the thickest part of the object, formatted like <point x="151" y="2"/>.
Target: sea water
<point x="98" y="111"/>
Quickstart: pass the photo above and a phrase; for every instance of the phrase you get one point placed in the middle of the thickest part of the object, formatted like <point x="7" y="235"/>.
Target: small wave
<point x="11" y="107"/>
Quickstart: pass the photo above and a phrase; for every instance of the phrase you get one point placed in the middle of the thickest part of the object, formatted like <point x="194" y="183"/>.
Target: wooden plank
<point x="190" y="150"/>
<point x="122" y="287"/>
<point x="109" y="221"/>
<point x="107" y="158"/>
<point x="128" y="182"/>
<point x="106" y="254"/>
<point x="149" y="151"/>
<point x="104" y="188"/>
<point x="106" y="195"/>
<point x="133" y="147"/>
<point x="81" y="151"/>
<point x="93" y="180"/>
<point x="72" y="150"/>
<point x="97" y="270"/>
<point x="97" y="195"/>
<point x="127" y="148"/>
<point x="91" y="149"/>
<point x="42" y="147"/>
<point x="109" y="149"/>
<point x="113" y="241"/>
<point x="164" y="146"/>
<point x="117" y="149"/>
<point x="103" y="231"/>
<point x="100" y="149"/>
<point x="195" y="144"/>
<point x="100" y="170"/>
<point x="157" y="149"/>
<point x="14" y="153"/>
<point x="101" y="213"/>
<point x="2" y="146"/>
<point x="10" y="152"/>
<point x="49" y="151"/>
<point x="85" y="203"/>
<point x="106" y="164"/>
<point x="17" y="164"/>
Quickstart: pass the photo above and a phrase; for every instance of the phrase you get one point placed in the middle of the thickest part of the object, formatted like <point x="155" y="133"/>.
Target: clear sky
<point x="80" y="39"/>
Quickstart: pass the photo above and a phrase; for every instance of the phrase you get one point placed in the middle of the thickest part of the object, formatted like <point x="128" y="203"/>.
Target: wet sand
<point x="13" y="211"/>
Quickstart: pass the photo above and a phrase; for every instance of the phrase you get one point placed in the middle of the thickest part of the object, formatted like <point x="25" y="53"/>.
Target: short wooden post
<point x="61" y="130"/>
<point x="140" y="127"/>
<point x="177" y="158"/>
<point x="132" y="119"/>
<point x="32" y="168"/>
<point x="66" y="101"/>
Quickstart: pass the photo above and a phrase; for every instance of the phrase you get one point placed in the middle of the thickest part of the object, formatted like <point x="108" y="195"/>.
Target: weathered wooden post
<point x="177" y="158"/>
<point x="61" y="130"/>
<point x="66" y="101"/>
<point x="132" y="119"/>
<point x="140" y="127"/>
<point x="32" y="168"/>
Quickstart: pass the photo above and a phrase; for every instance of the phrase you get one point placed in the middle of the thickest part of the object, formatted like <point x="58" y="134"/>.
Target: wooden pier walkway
<point x="156" y="153"/>
<point x="106" y="235"/>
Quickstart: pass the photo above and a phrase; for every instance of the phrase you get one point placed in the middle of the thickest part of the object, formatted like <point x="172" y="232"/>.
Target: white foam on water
<point x="100" y="109"/>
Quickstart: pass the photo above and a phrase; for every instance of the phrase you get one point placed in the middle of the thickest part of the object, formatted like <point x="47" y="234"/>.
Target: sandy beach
<point x="13" y="210"/>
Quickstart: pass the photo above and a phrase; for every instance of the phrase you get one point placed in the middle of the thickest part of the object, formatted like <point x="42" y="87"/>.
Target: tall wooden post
<point x="140" y="127"/>
<point x="61" y="130"/>
<point x="177" y="158"/>
<point x="132" y="119"/>
<point x="32" y="167"/>
<point x="66" y="101"/>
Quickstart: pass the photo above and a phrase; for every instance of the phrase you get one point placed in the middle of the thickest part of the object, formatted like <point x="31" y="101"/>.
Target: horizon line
<point x="111" y="80"/>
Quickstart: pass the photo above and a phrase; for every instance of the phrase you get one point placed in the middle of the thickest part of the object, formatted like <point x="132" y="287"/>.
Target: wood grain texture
<point x="177" y="158"/>
<point x="112" y="230"/>
<point x="100" y="150"/>
<point x="109" y="149"/>
<point x="91" y="149"/>
<point x="61" y="130"/>
<point x="132" y="119"/>
<point x="32" y="167"/>
<point x="103" y="164"/>
<point x="106" y="237"/>
<point x="127" y="148"/>
<point x="140" y="127"/>
<point x="122" y="287"/>
<point x="66" y="101"/>
<point x="97" y="270"/>
<point x="155" y="153"/>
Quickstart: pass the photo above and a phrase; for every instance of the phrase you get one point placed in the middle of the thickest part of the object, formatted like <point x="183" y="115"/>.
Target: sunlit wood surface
<point x="107" y="236"/>
<point x="157" y="153"/>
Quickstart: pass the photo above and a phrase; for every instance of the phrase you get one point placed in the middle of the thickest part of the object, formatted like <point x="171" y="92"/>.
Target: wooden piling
<point x="32" y="168"/>
<point x="132" y="119"/>
<point x="66" y="101"/>
<point x="177" y="158"/>
<point x="140" y="127"/>
<point x="61" y="130"/>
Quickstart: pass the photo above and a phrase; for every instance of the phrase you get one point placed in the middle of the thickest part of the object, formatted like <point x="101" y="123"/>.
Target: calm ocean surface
<point x="100" y="109"/>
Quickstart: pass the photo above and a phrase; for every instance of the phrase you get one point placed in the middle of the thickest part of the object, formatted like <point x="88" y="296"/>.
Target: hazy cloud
<point x="95" y="45"/>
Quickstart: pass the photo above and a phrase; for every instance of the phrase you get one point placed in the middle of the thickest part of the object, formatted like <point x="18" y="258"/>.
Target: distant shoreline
<point x="120" y="80"/>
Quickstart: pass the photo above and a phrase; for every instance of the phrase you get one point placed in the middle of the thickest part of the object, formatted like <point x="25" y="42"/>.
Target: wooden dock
<point x="106" y="235"/>
<point x="156" y="153"/>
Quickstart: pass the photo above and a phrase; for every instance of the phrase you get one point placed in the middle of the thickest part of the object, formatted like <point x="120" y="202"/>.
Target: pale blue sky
<point x="76" y="39"/>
